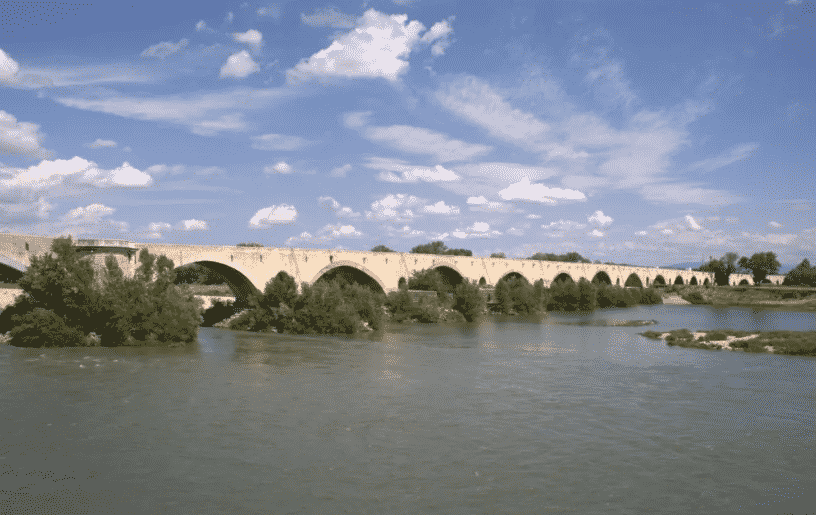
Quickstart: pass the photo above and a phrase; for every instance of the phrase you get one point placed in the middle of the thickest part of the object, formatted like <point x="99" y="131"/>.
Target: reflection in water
<point x="567" y="413"/>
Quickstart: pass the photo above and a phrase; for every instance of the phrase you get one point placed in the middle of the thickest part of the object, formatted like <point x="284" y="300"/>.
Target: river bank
<point x="759" y="297"/>
<point x="792" y="343"/>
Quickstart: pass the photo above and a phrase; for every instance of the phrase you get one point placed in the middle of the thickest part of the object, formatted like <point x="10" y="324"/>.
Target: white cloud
<point x="397" y="207"/>
<point x="676" y="193"/>
<point x="477" y="230"/>
<point x="478" y="201"/>
<point x="355" y="120"/>
<point x="8" y="68"/>
<point x="201" y="26"/>
<point x="771" y="239"/>
<point x="240" y="65"/>
<point x="329" y="17"/>
<point x="156" y="230"/>
<point x="409" y="173"/>
<point x="524" y="190"/>
<point x="278" y="142"/>
<point x="533" y="217"/>
<point x="692" y="223"/>
<point x="418" y="140"/>
<point x="88" y="220"/>
<point x="775" y="225"/>
<point x="164" y="49"/>
<point x="102" y="143"/>
<point x="738" y="153"/>
<point x="378" y="46"/>
<point x="561" y="228"/>
<point x="125" y="175"/>
<point x="596" y="233"/>
<point x="325" y="235"/>
<point x="252" y="37"/>
<point x="273" y="215"/>
<point x="205" y="113"/>
<point x="514" y="231"/>
<point x="406" y="232"/>
<point x="229" y="17"/>
<point x="439" y="32"/>
<point x="273" y="10"/>
<point x="192" y="225"/>
<point x="440" y="208"/>
<point x="599" y="218"/>
<point x="332" y="205"/>
<point x="340" y="171"/>
<point x="281" y="167"/>
<point x="20" y="138"/>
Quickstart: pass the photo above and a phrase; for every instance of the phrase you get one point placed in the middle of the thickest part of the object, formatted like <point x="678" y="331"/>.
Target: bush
<point x="695" y="297"/>
<point x="650" y="296"/>
<point x="563" y="296"/>
<point x="43" y="328"/>
<point x="516" y="295"/>
<point x="429" y="280"/>
<point x="468" y="300"/>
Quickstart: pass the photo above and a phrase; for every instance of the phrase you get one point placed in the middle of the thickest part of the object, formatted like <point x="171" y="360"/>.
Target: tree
<point x="468" y="300"/>
<point x="439" y="248"/>
<point x="761" y="265"/>
<point x="569" y="257"/>
<point x="802" y="275"/>
<point x="381" y="248"/>
<point x="722" y="268"/>
<point x="250" y="244"/>
<point x="498" y="255"/>
<point x="429" y="280"/>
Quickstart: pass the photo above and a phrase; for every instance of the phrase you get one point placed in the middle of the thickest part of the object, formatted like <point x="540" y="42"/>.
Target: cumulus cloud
<point x="252" y="37"/>
<point x="599" y="218"/>
<point x="482" y="204"/>
<point x="406" y="232"/>
<point x="156" y="230"/>
<point x="595" y="233"/>
<point x="280" y="167"/>
<point x="771" y="239"/>
<point x="278" y="142"/>
<point x="439" y="32"/>
<point x="397" y="207"/>
<point x="477" y="230"/>
<point x="325" y="235"/>
<point x="21" y="138"/>
<point x="8" y="68"/>
<point x="340" y="171"/>
<point x="417" y="140"/>
<point x="692" y="223"/>
<point x="377" y="47"/>
<point x="192" y="225"/>
<point x="561" y="228"/>
<point x="272" y="216"/>
<point x="239" y="65"/>
<point x="332" y="205"/>
<point x="89" y="220"/>
<point x="440" y="208"/>
<point x="409" y="173"/>
<point x="102" y="143"/>
<point x="775" y="225"/>
<point x="524" y="190"/>
<point x="164" y="49"/>
<point x="329" y="17"/>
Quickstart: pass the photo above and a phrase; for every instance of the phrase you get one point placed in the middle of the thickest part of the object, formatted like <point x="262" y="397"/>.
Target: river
<point x="507" y="416"/>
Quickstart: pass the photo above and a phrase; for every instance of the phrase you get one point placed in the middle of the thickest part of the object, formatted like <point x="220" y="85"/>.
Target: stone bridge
<point x="247" y="269"/>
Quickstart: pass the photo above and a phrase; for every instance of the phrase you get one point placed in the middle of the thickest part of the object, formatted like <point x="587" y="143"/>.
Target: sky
<point x="639" y="132"/>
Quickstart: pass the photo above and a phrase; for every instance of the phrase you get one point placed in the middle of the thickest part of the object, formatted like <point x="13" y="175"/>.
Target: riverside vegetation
<point x="66" y="303"/>
<point x="793" y="343"/>
<point x="341" y="306"/>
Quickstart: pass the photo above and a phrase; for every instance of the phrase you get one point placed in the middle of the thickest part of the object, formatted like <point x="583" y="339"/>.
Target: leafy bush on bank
<point x="67" y="303"/>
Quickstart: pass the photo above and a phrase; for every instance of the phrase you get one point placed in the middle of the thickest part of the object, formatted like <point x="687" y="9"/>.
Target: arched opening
<point x="601" y="277"/>
<point x="402" y="283"/>
<point x="514" y="275"/>
<point x="450" y="276"/>
<point x="482" y="281"/>
<point x="693" y="281"/>
<point x="351" y="275"/>
<point x="617" y="281"/>
<point x="211" y="273"/>
<point x="659" y="281"/>
<point x="563" y="277"/>
<point x="678" y="280"/>
<point x="633" y="281"/>
<point x="9" y="274"/>
<point x="744" y="282"/>
<point x="706" y="282"/>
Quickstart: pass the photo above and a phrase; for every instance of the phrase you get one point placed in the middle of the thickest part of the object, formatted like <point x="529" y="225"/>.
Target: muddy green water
<point x="502" y="417"/>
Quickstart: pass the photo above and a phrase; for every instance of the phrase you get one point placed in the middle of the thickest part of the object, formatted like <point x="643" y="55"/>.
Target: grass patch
<point x="792" y="343"/>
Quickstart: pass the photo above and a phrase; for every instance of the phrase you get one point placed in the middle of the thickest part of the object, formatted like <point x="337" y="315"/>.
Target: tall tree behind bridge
<point x="761" y="264"/>
<point x="721" y="268"/>
<point x="439" y="248"/>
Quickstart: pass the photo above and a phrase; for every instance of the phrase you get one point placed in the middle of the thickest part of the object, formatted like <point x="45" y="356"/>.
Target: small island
<point x="793" y="343"/>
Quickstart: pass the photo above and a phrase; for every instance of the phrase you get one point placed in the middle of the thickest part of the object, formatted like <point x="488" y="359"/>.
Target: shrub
<point x="43" y="328"/>
<point x="695" y="297"/>
<point x="281" y="289"/>
<point x="468" y="300"/>
<point x="586" y="295"/>
<point x="429" y="280"/>
<point x="428" y="310"/>
<point x="563" y="296"/>
<point x="650" y="296"/>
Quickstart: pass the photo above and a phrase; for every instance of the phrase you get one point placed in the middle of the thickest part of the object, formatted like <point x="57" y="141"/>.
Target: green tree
<point x="439" y="248"/>
<point x="498" y="255"/>
<point x="721" y="268"/>
<point x="761" y="265"/>
<point x="569" y="257"/>
<point x="468" y="300"/>
<point x="429" y="280"/>
<point x="802" y="275"/>
<point x="381" y="248"/>
<point x="250" y="244"/>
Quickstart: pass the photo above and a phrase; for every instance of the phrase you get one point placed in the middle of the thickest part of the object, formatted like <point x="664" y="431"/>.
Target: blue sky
<point x="635" y="132"/>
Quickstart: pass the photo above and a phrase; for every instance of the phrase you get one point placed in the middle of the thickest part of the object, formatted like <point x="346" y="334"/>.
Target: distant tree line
<point x="761" y="265"/>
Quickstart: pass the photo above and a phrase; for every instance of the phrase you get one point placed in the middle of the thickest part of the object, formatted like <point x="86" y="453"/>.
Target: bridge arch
<point x="659" y="280"/>
<point x="239" y="283"/>
<point x="563" y="276"/>
<point x="450" y="274"/>
<point x="514" y="275"/>
<point x="693" y="280"/>
<point x="352" y="272"/>
<point x="679" y="280"/>
<point x="633" y="281"/>
<point x="706" y="282"/>
<point x="601" y="277"/>
<point x="11" y="270"/>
